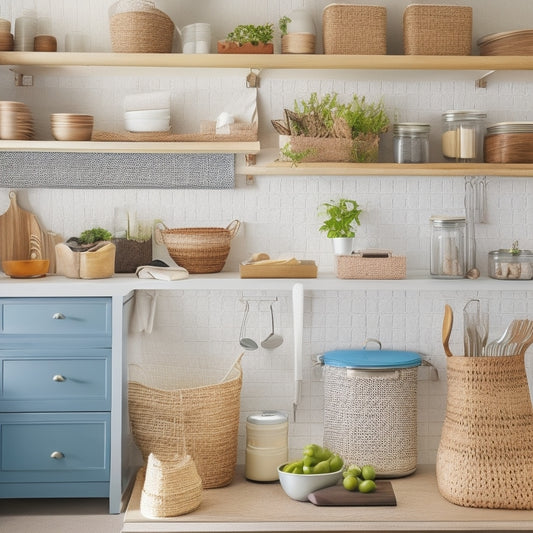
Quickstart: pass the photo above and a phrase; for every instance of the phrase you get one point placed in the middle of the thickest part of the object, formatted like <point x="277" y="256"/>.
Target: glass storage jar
<point x="462" y="136"/>
<point x="411" y="142"/>
<point x="511" y="264"/>
<point x="447" y="258"/>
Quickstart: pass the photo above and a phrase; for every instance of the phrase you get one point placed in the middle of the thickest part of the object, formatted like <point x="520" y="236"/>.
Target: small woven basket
<point x="171" y="486"/>
<point x="193" y="411"/>
<point x="354" y="29"/>
<point x="200" y="250"/>
<point x="141" y="32"/>
<point x="485" y="455"/>
<point x="437" y="30"/>
<point x="356" y="266"/>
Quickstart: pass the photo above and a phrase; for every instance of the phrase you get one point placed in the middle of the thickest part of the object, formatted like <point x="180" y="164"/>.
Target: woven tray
<point x="354" y="29"/>
<point x="437" y="30"/>
<point x="356" y="266"/>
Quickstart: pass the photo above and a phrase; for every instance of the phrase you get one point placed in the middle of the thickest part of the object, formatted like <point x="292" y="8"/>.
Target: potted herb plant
<point x="298" y="33"/>
<point x="341" y="215"/>
<point x="248" y="39"/>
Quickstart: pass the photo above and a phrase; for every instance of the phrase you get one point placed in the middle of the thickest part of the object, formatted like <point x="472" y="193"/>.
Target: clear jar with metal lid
<point x="447" y="259"/>
<point x="411" y="142"/>
<point x="511" y="264"/>
<point x="462" y="135"/>
<point x="266" y="445"/>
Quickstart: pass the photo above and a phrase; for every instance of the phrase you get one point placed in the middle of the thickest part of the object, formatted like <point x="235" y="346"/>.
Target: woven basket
<point x="354" y="29"/>
<point x="437" y="30"/>
<point x="371" y="418"/>
<point x="141" y="32"/>
<point x="171" y="486"/>
<point x="485" y="455"/>
<point x="298" y="43"/>
<point x="200" y="250"/>
<point x="192" y="412"/>
<point x="355" y="266"/>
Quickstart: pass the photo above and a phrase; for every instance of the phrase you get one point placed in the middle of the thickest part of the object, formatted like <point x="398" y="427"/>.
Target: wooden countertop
<point x="245" y="506"/>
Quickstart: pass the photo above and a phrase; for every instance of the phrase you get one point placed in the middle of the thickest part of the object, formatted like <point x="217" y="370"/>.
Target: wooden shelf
<point x="268" y="61"/>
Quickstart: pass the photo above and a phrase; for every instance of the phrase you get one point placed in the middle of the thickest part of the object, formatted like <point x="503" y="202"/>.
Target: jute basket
<point x="485" y="456"/>
<point x="141" y="32"/>
<point x="437" y="30"/>
<point x="200" y="250"/>
<point x="174" y="410"/>
<point x="171" y="486"/>
<point x="355" y="266"/>
<point x="354" y="29"/>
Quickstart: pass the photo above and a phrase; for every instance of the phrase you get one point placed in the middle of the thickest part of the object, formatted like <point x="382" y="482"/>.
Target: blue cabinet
<point x="55" y="397"/>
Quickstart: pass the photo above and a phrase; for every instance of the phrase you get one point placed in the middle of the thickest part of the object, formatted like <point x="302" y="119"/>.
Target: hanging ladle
<point x="273" y="340"/>
<point x="245" y="342"/>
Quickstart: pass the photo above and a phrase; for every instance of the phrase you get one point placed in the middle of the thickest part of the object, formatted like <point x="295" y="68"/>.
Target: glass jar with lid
<point x="462" y="136"/>
<point x="447" y="259"/>
<point x="511" y="264"/>
<point x="411" y="142"/>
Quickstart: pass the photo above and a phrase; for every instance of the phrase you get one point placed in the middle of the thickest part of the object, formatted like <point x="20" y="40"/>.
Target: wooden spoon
<point x="447" y="324"/>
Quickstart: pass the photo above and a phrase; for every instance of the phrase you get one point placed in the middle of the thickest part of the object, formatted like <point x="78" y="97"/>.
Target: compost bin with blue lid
<point x="370" y="409"/>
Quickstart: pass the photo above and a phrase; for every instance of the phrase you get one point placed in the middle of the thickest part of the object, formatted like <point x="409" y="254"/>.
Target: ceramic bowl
<point x="299" y="486"/>
<point x="147" y="124"/>
<point x="26" y="268"/>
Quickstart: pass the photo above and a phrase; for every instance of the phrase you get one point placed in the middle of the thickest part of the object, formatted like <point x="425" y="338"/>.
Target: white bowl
<point x="299" y="486"/>
<point x="146" y="124"/>
<point x="148" y="114"/>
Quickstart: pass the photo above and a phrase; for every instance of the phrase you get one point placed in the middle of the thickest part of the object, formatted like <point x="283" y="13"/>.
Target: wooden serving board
<point x="339" y="496"/>
<point x="305" y="269"/>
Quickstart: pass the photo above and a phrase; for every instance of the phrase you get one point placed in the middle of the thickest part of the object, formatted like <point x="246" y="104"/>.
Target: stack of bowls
<point x="16" y="122"/>
<point x="45" y="43"/>
<point x="71" y="126"/>
<point x="147" y="112"/>
<point x="6" y="37"/>
<point x="196" y="38"/>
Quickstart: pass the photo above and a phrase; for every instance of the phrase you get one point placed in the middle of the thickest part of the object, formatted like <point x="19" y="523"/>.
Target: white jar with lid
<point x="462" y="136"/>
<point x="447" y="258"/>
<point x="266" y="445"/>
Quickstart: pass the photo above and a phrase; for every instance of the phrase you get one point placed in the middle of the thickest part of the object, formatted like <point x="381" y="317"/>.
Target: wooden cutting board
<point x="339" y="496"/>
<point x="21" y="236"/>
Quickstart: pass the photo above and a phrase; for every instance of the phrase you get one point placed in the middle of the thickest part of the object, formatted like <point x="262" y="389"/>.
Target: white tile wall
<point x="280" y="213"/>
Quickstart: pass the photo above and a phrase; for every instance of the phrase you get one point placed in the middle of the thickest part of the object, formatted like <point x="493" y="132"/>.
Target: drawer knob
<point x="58" y="316"/>
<point x="59" y="377"/>
<point x="57" y="455"/>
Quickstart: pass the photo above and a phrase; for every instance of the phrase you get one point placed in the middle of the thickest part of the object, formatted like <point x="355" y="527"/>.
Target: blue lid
<point x="371" y="359"/>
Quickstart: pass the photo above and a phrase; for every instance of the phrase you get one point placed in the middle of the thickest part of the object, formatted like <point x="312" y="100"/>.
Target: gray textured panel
<point x="116" y="171"/>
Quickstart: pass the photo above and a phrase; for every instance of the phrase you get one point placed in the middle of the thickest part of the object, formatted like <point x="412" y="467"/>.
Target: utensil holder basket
<point x="485" y="455"/>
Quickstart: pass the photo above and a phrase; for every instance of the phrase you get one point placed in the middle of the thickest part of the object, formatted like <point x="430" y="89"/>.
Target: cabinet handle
<point x="58" y="316"/>
<point x="57" y="455"/>
<point x="59" y="377"/>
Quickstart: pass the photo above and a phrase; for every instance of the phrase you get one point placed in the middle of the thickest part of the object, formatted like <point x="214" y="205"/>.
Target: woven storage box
<point x="189" y="410"/>
<point x="131" y="254"/>
<point x="437" y="30"/>
<point x="370" y="408"/>
<point x="200" y="250"/>
<point x="485" y="455"/>
<point x="358" y="266"/>
<point x="171" y="486"/>
<point x="354" y="29"/>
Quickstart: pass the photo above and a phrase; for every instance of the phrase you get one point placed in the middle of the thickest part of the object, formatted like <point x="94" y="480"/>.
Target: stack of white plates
<point x="71" y="126"/>
<point x="16" y="121"/>
<point x="147" y="112"/>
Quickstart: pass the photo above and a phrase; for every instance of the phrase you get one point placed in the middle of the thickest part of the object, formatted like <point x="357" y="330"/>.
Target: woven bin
<point x="141" y="32"/>
<point x="200" y="250"/>
<point x="171" y="486"/>
<point x="437" y="30"/>
<point x="485" y="455"/>
<point x="356" y="266"/>
<point x="187" y="410"/>
<point x="354" y="29"/>
<point x="131" y="254"/>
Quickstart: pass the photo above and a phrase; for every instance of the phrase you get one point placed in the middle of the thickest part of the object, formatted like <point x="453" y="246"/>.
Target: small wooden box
<point x="305" y="269"/>
<point x="357" y="266"/>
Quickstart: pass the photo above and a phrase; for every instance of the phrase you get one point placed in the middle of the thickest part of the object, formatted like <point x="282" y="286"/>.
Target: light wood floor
<point x="58" y="516"/>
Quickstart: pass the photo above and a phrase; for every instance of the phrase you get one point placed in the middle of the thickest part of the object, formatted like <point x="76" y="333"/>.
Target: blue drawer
<point x="24" y="319"/>
<point x="55" y="381"/>
<point x="54" y="447"/>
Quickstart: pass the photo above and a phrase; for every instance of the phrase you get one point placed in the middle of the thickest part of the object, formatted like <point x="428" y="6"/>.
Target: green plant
<point x="248" y="33"/>
<point x="515" y="250"/>
<point x="94" y="235"/>
<point x="323" y="109"/>
<point x="364" y="117"/>
<point x="283" y="21"/>
<point x="296" y="157"/>
<point x="341" y="216"/>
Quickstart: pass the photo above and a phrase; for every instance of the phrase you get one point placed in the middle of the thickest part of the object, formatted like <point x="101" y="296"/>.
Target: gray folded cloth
<point x="161" y="273"/>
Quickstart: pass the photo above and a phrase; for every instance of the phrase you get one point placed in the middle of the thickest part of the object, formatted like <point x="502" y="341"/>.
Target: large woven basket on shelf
<point x="200" y="250"/>
<point x="354" y="29"/>
<point x="192" y="412"/>
<point x="141" y="32"/>
<point x="485" y="455"/>
<point x="437" y="30"/>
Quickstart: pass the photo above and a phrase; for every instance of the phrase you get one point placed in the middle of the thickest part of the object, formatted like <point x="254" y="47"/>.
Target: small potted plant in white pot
<point x="339" y="224"/>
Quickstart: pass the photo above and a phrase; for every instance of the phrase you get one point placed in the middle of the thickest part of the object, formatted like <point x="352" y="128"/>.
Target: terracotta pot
<point x="231" y="47"/>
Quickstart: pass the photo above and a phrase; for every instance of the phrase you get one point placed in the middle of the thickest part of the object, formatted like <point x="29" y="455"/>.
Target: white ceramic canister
<point x="25" y="31"/>
<point x="266" y="445"/>
<point x="301" y="22"/>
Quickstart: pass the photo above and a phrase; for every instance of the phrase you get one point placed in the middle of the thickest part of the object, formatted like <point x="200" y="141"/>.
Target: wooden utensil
<point x="447" y="324"/>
